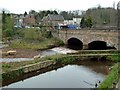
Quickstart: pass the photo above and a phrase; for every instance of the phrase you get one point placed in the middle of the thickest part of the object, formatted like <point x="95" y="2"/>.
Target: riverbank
<point x="29" y="49"/>
<point x="6" y="67"/>
<point x="112" y="79"/>
<point x="20" y="53"/>
<point x="60" y="58"/>
<point x="14" y="69"/>
<point x="12" y="74"/>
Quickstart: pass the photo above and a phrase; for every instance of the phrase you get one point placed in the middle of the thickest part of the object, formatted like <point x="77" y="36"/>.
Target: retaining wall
<point x="26" y="69"/>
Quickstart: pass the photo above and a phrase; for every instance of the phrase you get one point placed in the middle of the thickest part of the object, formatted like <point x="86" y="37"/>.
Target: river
<point x="53" y="51"/>
<point x="84" y="74"/>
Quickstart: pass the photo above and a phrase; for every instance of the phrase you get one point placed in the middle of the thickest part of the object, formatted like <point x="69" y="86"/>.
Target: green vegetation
<point x="7" y="26"/>
<point x="97" y="52"/>
<point x="115" y="58"/>
<point x="33" y="39"/>
<point x="113" y="77"/>
<point x="47" y="43"/>
<point x="29" y="38"/>
<point x="13" y="69"/>
<point x="14" y="65"/>
<point x="102" y="16"/>
<point x="59" y="58"/>
<point x="86" y="22"/>
<point x="114" y="74"/>
<point x="39" y="15"/>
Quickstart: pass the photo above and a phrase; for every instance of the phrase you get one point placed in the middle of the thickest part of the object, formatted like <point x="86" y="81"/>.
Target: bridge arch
<point x="99" y="45"/>
<point x="74" y="43"/>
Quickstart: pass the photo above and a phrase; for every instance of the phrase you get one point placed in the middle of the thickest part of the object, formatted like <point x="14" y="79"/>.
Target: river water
<point x="84" y="74"/>
<point x="53" y="51"/>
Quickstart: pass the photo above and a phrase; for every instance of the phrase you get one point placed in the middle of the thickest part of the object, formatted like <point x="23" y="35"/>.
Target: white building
<point x="77" y="20"/>
<point x="69" y="22"/>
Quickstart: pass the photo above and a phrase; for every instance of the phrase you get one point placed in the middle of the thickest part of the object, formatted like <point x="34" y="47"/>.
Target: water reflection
<point x="85" y="74"/>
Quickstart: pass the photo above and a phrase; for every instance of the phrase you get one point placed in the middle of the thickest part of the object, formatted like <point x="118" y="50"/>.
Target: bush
<point x="32" y="34"/>
<point x="60" y="58"/>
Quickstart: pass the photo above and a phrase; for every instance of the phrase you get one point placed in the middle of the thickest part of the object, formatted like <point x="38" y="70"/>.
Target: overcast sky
<point x="20" y="6"/>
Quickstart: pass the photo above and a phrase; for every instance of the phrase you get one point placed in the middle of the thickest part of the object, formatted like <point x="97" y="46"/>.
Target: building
<point x="77" y="20"/>
<point x="21" y="21"/>
<point x="29" y="20"/>
<point x="18" y="21"/>
<point x="52" y="20"/>
<point x="69" y="22"/>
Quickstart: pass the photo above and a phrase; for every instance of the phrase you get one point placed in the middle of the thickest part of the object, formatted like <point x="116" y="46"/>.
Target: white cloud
<point x="20" y="6"/>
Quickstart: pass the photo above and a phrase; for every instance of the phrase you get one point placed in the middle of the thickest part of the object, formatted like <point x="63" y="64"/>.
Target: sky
<point x="20" y="6"/>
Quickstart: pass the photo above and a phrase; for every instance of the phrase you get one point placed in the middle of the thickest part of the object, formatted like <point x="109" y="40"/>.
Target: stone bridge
<point x="89" y="38"/>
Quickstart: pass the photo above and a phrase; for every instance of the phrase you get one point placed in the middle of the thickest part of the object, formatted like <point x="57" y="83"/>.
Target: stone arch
<point x="74" y="43"/>
<point x="97" y="45"/>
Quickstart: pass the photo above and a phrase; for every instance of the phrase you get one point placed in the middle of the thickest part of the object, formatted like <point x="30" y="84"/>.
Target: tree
<point x="86" y="22"/>
<point x="8" y="29"/>
<point x="55" y="12"/>
<point x="25" y="14"/>
<point x="64" y="14"/>
<point x="3" y="16"/>
<point x="83" y="23"/>
<point x="89" y="22"/>
<point x="32" y="12"/>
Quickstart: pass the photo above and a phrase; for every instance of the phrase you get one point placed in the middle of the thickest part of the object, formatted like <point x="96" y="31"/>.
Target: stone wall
<point x="26" y="69"/>
<point x="37" y="66"/>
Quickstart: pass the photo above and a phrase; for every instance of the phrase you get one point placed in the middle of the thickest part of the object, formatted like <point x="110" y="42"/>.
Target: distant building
<point x="52" y="20"/>
<point x="77" y="20"/>
<point x="21" y="21"/>
<point x="69" y="22"/>
<point x="18" y="21"/>
<point x="73" y="24"/>
<point x="29" y="20"/>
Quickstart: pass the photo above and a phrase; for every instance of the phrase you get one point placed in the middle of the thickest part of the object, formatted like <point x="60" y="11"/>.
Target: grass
<point x="113" y="77"/>
<point x="32" y="38"/>
<point x="60" y="58"/>
<point x="44" y="44"/>
<point x="14" y="65"/>
<point x="98" y="52"/>
<point x="115" y="58"/>
<point x="114" y="74"/>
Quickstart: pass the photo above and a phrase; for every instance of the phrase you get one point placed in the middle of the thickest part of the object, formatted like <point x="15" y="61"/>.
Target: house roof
<point x="55" y="17"/>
